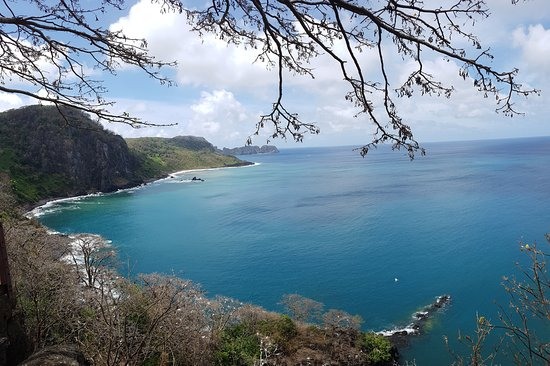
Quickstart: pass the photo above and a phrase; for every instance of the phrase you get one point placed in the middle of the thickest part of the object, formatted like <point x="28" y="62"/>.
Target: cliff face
<point x="48" y="153"/>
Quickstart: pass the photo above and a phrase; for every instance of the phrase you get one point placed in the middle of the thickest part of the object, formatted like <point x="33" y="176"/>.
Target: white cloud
<point x="221" y="73"/>
<point x="534" y="43"/>
<point x="10" y="101"/>
<point x="205" y="62"/>
<point x="218" y="115"/>
<point x="222" y="93"/>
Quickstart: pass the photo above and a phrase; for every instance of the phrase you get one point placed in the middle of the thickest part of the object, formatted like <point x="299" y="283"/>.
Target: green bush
<point x="239" y="345"/>
<point x="281" y="329"/>
<point x="378" y="348"/>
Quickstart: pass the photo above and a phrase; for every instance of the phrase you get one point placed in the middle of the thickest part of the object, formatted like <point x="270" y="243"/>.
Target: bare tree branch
<point x="290" y="33"/>
<point x="49" y="54"/>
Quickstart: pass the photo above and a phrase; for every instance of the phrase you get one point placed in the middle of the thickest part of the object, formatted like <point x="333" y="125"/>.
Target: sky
<point x="221" y="92"/>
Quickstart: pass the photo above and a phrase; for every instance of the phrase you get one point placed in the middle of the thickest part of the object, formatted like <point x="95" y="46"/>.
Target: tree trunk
<point x="5" y="298"/>
<point x="13" y="342"/>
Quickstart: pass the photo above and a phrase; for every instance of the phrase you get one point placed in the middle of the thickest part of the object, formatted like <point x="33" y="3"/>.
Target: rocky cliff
<point x="48" y="153"/>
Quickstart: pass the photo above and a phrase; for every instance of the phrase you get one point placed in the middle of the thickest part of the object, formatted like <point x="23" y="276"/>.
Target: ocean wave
<point x="177" y="181"/>
<point x="64" y="203"/>
<point x="408" y="330"/>
<point x="56" y="204"/>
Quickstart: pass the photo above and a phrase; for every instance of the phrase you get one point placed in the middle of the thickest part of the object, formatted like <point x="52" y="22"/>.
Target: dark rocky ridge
<point x="193" y="143"/>
<point x="401" y="337"/>
<point x="50" y="153"/>
<point x="250" y="150"/>
<point x="77" y="152"/>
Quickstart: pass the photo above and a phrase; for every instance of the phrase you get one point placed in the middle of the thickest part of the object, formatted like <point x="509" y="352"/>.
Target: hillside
<point x="250" y="150"/>
<point x="158" y="156"/>
<point x="49" y="154"/>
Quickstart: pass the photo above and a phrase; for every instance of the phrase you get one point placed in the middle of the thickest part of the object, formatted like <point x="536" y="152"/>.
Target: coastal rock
<point x="400" y="337"/>
<point x="47" y="153"/>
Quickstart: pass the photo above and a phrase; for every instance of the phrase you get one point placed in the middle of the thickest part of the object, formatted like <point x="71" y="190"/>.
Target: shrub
<point x="378" y="348"/>
<point x="238" y="346"/>
<point x="280" y="329"/>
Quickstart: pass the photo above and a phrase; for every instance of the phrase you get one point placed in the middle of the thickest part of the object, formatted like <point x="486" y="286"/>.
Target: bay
<point x="332" y="226"/>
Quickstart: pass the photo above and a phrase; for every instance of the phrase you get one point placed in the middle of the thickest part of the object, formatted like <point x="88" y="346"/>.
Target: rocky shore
<point x="400" y="337"/>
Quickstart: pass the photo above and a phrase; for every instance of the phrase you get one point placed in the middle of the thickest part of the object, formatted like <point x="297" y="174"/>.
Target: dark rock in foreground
<point x="57" y="356"/>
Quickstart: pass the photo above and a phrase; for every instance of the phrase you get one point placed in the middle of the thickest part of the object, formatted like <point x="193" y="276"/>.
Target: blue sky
<point x="220" y="92"/>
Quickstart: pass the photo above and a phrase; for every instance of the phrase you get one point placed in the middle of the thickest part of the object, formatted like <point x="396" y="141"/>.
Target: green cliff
<point x="158" y="156"/>
<point x="50" y="153"/>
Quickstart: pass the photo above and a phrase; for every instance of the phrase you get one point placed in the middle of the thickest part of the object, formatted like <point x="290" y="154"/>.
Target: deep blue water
<point x="335" y="227"/>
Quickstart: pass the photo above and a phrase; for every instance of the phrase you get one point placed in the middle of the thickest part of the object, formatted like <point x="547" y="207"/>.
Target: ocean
<point x="379" y="236"/>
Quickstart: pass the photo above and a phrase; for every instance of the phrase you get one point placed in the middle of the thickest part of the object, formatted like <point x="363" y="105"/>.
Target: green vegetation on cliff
<point x="158" y="156"/>
<point x="47" y="154"/>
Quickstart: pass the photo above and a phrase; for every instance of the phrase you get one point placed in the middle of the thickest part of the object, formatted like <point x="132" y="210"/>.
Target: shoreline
<point x="33" y="211"/>
<point x="400" y="337"/>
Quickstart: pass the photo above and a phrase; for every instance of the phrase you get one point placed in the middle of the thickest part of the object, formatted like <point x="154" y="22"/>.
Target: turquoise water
<point x="335" y="227"/>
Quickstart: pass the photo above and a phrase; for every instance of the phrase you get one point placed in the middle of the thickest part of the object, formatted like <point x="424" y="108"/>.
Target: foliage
<point x="281" y="329"/>
<point x="45" y="286"/>
<point x="301" y="308"/>
<point x="92" y="258"/>
<point x="239" y="345"/>
<point x="288" y="36"/>
<point x="337" y="319"/>
<point x="378" y="348"/>
<point x="27" y="184"/>
<point x="527" y="319"/>
<point x="7" y="198"/>
<point x="522" y="333"/>
<point x="160" y="156"/>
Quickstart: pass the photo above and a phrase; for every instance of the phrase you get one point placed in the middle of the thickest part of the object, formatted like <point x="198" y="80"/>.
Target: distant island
<point x="250" y="150"/>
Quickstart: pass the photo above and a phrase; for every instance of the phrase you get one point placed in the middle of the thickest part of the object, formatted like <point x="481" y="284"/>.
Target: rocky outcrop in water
<point x="400" y="337"/>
